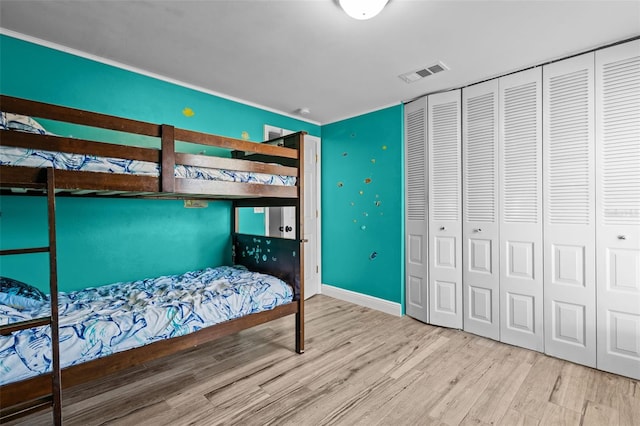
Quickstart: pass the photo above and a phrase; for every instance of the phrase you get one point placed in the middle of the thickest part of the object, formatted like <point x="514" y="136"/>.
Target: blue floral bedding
<point x="96" y="322"/>
<point x="14" y="156"/>
<point x="26" y="157"/>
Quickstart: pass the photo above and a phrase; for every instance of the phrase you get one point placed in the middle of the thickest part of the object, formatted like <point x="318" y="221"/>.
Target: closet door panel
<point x="520" y="153"/>
<point x="569" y="209"/>
<point x="618" y="208"/>
<point x="445" y="209"/>
<point x="417" y="260"/>
<point x="480" y="209"/>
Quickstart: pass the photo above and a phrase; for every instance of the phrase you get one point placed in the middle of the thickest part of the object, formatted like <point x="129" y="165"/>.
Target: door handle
<point x="622" y="237"/>
<point x="442" y="228"/>
<point x="477" y="230"/>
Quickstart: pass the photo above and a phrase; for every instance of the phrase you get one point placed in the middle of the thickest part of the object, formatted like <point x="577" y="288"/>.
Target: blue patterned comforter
<point x="96" y="322"/>
<point x="26" y="157"/>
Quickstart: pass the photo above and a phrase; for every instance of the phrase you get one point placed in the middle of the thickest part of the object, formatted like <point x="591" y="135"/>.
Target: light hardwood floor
<point x="360" y="367"/>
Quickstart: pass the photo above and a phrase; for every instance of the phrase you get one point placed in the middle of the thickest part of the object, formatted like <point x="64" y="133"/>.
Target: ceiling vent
<point x="413" y="76"/>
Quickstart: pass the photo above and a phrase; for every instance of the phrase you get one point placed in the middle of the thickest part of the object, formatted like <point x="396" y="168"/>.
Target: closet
<point x="520" y="209"/>
<point x="480" y="214"/>
<point x="445" y="209"/>
<point x="416" y="220"/>
<point x="618" y="208"/>
<point x="569" y="210"/>
<point x="548" y="161"/>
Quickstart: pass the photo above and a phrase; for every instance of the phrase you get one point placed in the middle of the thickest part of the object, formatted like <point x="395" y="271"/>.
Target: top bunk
<point x="176" y="167"/>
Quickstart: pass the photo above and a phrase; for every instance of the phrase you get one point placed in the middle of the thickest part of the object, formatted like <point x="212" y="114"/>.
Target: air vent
<point x="416" y="75"/>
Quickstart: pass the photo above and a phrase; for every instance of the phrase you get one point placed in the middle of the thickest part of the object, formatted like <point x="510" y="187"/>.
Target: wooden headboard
<point x="275" y="256"/>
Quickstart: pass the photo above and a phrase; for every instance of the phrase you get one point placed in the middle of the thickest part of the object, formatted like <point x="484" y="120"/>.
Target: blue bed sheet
<point x="96" y="322"/>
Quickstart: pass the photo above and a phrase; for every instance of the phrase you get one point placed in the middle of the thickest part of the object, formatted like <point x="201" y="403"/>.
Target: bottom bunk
<point x="110" y="328"/>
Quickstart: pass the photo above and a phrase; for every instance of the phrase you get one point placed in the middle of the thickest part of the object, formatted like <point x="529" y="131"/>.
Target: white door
<point x="281" y="221"/>
<point x="618" y="208"/>
<point x="311" y="216"/>
<point x="520" y="153"/>
<point x="569" y="210"/>
<point x="417" y="261"/>
<point x="480" y="212"/>
<point x="445" y="209"/>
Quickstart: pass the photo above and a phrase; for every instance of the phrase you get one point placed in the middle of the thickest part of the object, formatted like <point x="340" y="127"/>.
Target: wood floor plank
<point x="533" y="396"/>
<point x="360" y="367"/>
<point x="573" y="386"/>
<point x="598" y="414"/>
<point x="493" y="404"/>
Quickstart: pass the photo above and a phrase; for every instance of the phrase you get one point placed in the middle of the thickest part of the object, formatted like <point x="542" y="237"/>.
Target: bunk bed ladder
<point x="55" y="399"/>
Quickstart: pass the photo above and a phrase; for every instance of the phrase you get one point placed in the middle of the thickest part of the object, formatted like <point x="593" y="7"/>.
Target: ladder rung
<point x="23" y="325"/>
<point x="26" y="408"/>
<point x="24" y="251"/>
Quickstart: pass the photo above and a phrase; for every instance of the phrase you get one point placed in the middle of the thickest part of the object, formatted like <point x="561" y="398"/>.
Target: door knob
<point x="442" y="228"/>
<point x="477" y="230"/>
<point x="622" y="237"/>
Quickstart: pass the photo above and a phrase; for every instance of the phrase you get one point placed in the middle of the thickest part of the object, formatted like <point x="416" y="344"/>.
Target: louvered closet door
<point x="416" y="281"/>
<point x="445" y="209"/>
<point x="520" y="153"/>
<point x="618" y="208"/>
<point x="569" y="210"/>
<point x="480" y="211"/>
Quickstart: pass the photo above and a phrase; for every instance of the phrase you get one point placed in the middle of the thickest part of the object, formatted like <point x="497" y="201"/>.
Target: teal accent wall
<point x="362" y="204"/>
<point x="101" y="241"/>
<point x="250" y="222"/>
<point x="109" y="240"/>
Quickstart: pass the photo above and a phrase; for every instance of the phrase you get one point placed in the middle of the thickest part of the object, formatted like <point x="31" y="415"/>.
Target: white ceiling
<point x="287" y="55"/>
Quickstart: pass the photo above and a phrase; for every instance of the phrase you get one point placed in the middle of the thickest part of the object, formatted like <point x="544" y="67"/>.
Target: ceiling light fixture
<point x="362" y="9"/>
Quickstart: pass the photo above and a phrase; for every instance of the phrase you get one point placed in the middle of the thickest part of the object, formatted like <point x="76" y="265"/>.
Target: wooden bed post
<point x="167" y="173"/>
<point x="56" y="382"/>
<point x="300" y="237"/>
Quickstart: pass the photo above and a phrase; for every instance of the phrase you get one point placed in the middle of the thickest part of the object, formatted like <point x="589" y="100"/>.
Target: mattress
<point x="14" y="156"/>
<point x="26" y="157"/>
<point x="97" y="322"/>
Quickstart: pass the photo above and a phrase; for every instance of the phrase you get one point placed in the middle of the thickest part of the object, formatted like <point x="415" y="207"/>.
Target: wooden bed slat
<point x="234" y="164"/>
<point x="24" y="251"/>
<point x="235" y="144"/>
<point x="196" y="186"/>
<point x="78" y="146"/>
<point x="7" y="329"/>
<point x="77" y="116"/>
<point x="26" y="408"/>
<point x="70" y="179"/>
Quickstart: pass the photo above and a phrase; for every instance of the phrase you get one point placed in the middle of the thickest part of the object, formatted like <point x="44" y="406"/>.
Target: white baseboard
<point x="378" y="304"/>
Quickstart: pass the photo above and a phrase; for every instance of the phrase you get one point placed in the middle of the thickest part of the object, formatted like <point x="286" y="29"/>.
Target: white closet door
<point x="520" y="153"/>
<point x="618" y="208"/>
<point x="445" y="209"/>
<point x="569" y="210"/>
<point x="416" y="281"/>
<point x="480" y="212"/>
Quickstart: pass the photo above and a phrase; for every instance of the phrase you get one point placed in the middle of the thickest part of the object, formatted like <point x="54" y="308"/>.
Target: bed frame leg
<point x="300" y="332"/>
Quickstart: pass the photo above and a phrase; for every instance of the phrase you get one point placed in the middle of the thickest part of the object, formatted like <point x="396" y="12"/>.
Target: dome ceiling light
<point x="362" y="9"/>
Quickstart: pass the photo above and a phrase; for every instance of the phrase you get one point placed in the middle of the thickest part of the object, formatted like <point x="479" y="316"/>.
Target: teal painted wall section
<point x="48" y="75"/>
<point x="251" y="222"/>
<point x="108" y="240"/>
<point x="101" y="241"/>
<point x="362" y="204"/>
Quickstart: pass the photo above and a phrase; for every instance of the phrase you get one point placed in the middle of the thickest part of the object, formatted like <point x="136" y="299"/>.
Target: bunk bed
<point x="36" y="162"/>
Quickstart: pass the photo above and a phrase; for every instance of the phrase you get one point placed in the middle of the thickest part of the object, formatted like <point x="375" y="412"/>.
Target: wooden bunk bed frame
<point x="26" y="396"/>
